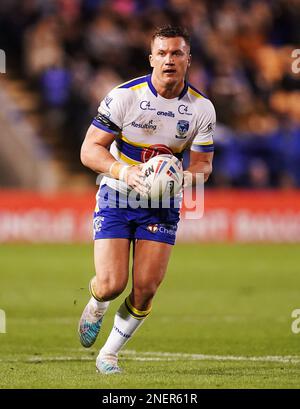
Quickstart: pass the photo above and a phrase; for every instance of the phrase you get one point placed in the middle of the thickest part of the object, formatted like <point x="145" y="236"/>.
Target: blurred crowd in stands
<point x="75" y="51"/>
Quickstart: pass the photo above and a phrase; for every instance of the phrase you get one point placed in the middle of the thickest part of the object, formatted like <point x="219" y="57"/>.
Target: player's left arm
<point x="200" y="163"/>
<point x="202" y="147"/>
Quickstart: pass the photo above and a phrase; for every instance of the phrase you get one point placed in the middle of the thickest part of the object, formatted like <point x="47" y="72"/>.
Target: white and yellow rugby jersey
<point x="143" y="121"/>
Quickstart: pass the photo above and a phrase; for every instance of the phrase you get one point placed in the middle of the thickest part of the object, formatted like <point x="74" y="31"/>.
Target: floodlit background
<point x="233" y="281"/>
<point x="63" y="56"/>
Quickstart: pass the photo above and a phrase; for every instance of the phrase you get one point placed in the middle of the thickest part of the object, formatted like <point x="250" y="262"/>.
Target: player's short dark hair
<point x="172" y="31"/>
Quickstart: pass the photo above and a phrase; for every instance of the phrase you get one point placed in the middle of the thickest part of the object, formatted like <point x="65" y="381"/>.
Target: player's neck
<point x="168" y="91"/>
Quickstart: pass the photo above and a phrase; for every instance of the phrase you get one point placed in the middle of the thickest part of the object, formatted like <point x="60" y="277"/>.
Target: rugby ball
<point x="163" y="176"/>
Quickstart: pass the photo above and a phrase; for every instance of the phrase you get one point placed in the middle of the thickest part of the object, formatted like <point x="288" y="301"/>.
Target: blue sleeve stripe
<point x="202" y="148"/>
<point x="104" y="128"/>
<point x="132" y="152"/>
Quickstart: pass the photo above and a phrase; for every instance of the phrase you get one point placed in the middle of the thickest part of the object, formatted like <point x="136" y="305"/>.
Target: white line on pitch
<point x="204" y="357"/>
<point x="163" y="356"/>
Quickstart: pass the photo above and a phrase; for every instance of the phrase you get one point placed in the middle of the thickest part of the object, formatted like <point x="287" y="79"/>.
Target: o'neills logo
<point x="153" y="228"/>
<point x="166" y="113"/>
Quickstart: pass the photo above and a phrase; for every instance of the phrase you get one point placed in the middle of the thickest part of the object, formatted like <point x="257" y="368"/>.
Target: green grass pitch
<point x="220" y="315"/>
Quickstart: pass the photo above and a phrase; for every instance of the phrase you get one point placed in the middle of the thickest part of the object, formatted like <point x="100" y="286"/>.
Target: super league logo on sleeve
<point x="107" y="101"/>
<point x="105" y="112"/>
<point x="211" y="126"/>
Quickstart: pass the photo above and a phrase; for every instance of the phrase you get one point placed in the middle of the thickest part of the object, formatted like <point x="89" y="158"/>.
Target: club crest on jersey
<point x="98" y="223"/>
<point x="153" y="228"/>
<point x="182" y="129"/>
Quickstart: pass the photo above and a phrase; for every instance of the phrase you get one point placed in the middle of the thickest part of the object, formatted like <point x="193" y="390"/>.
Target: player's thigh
<point x="150" y="264"/>
<point x="111" y="258"/>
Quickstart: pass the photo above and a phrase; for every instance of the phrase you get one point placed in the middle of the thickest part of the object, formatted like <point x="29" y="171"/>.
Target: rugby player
<point x="157" y="113"/>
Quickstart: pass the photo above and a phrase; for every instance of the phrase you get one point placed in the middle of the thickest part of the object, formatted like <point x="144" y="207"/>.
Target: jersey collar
<point x="154" y="92"/>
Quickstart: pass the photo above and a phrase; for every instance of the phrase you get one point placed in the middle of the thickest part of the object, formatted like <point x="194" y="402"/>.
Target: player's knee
<point x="145" y="292"/>
<point x="109" y="289"/>
<point x="108" y="293"/>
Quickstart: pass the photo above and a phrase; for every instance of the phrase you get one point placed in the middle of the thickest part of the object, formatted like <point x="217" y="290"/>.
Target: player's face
<point x="170" y="59"/>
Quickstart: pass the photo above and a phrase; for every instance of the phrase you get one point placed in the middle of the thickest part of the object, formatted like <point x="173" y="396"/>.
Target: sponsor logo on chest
<point x="147" y="125"/>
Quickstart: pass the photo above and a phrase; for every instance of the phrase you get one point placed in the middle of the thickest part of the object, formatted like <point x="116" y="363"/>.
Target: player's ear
<point x="189" y="60"/>
<point x="150" y="60"/>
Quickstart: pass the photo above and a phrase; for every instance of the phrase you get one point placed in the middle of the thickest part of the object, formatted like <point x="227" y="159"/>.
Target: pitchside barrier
<point x="229" y="215"/>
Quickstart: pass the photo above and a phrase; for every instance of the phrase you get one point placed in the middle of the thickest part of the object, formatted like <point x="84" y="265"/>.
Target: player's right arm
<point x="96" y="156"/>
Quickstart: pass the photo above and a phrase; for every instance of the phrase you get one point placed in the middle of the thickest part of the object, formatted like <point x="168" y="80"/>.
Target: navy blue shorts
<point x="155" y="224"/>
